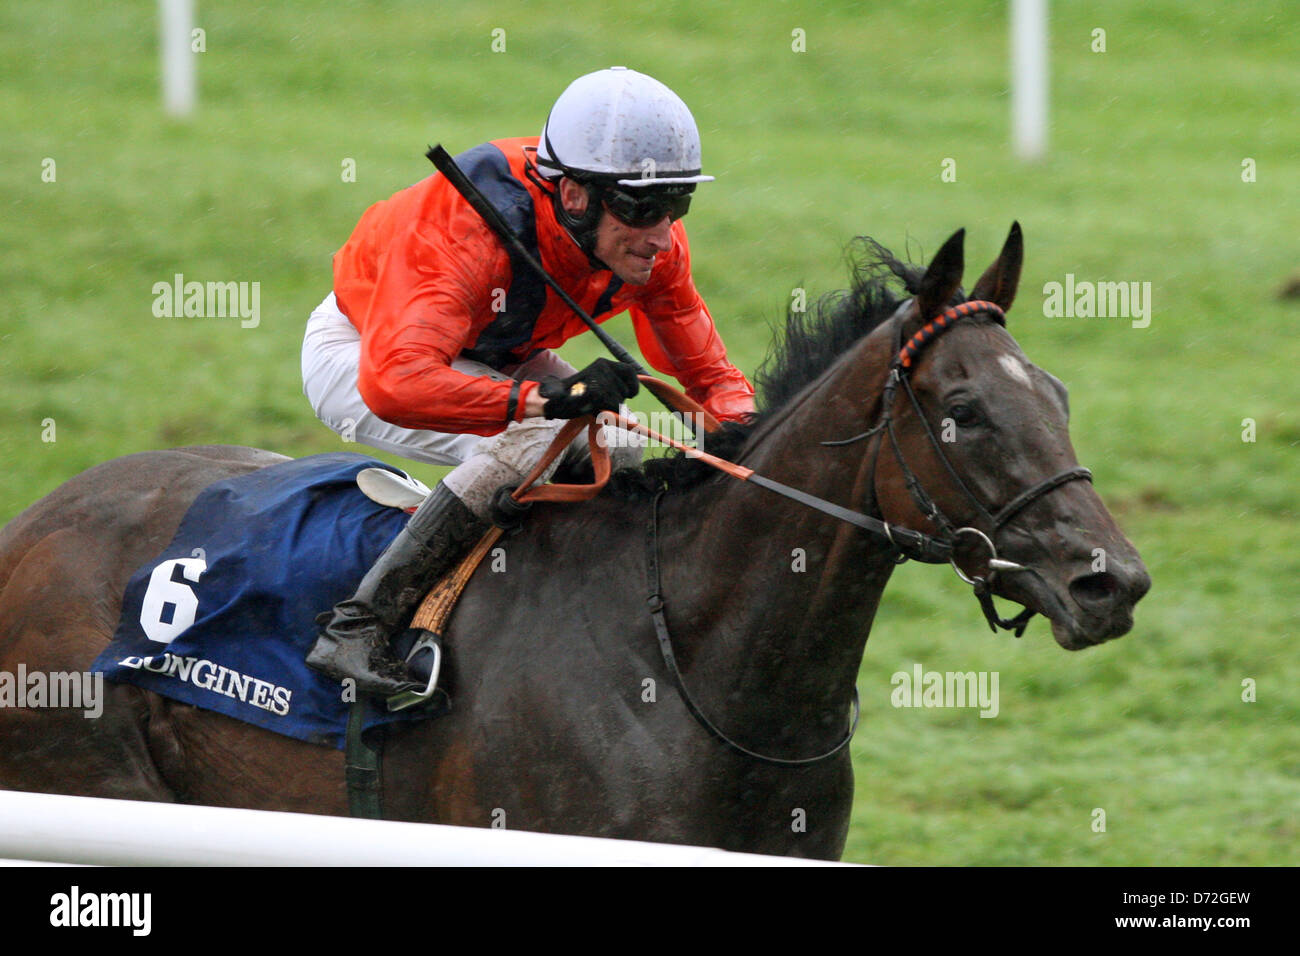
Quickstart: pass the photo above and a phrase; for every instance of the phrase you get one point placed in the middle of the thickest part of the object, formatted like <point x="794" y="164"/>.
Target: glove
<point x="601" y="386"/>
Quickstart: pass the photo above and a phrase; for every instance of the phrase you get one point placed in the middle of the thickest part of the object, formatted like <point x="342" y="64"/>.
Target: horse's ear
<point x="998" y="284"/>
<point x="942" y="278"/>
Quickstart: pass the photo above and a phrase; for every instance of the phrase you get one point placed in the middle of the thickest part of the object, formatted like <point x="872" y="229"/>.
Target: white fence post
<point x="1029" y="77"/>
<point x="175" y="26"/>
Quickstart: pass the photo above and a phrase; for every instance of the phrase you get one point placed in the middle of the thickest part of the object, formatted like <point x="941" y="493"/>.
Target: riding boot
<point x="356" y="639"/>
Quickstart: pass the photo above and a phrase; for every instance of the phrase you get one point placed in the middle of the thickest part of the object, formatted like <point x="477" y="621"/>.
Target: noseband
<point x="937" y="548"/>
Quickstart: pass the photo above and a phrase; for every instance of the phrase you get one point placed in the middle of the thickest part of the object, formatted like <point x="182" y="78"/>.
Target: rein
<point x="909" y="543"/>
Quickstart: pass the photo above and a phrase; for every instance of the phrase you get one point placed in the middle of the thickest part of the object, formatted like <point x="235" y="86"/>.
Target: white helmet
<point x="624" y="127"/>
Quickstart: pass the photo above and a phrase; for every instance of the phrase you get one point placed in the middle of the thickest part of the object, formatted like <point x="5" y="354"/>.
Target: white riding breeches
<point x="331" y="358"/>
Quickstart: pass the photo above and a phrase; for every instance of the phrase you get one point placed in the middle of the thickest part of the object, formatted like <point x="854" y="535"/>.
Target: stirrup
<point x="424" y="659"/>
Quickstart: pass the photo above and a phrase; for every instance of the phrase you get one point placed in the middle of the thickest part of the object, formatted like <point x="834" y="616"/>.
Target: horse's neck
<point x="794" y="590"/>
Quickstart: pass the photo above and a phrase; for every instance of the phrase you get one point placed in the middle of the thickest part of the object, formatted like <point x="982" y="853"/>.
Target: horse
<point x="567" y="718"/>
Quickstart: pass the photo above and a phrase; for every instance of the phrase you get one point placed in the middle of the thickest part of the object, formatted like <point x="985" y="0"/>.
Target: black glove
<point x="601" y="386"/>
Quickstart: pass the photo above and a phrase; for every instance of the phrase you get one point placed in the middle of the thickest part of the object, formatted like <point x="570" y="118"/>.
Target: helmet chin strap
<point x="582" y="229"/>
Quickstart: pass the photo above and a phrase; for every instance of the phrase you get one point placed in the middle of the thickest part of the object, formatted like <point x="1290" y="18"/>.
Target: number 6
<point x="163" y="591"/>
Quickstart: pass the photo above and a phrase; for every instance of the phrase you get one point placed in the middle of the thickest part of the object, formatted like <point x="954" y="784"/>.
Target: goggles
<point x="641" y="211"/>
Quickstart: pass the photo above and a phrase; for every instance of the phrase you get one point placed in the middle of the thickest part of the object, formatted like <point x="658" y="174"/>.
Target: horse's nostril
<point x="1094" y="589"/>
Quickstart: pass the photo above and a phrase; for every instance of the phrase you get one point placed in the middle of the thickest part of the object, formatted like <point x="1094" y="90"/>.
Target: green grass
<point x="1142" y="183"/>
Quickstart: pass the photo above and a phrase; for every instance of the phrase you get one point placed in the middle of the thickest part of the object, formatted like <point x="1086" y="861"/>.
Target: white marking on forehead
<point x="1015" y="368"/>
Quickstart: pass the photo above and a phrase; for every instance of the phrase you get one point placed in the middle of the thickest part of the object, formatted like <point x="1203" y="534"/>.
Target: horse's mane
<point x="809" y="344"/>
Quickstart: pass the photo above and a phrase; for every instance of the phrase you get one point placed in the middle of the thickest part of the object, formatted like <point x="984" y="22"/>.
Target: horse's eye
<point x="963" y="415"/>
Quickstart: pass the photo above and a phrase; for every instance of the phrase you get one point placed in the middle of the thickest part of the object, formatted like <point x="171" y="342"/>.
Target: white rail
<point x="58" y="829"/>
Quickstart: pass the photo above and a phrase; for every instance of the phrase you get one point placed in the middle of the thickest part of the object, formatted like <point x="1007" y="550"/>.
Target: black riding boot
<point x="355" y="641"/>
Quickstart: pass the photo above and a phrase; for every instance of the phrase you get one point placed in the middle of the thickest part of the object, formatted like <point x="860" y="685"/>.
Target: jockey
<point x="435" y="342"/>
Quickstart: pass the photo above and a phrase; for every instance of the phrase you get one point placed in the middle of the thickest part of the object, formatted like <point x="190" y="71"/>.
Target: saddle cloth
<point x="223" y="618"/>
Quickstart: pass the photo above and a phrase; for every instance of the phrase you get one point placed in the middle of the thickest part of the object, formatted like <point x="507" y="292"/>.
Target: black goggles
<point x="640" y="211"/>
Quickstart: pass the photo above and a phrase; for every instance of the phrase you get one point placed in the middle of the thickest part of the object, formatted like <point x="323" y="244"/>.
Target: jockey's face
<point x="628" y="250"/>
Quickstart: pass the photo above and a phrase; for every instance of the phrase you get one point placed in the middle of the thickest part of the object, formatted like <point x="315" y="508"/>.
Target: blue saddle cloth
<point x="225" y="616"/>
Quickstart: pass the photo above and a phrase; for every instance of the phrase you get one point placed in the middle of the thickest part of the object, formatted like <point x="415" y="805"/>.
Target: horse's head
<point x="997" y="458"/>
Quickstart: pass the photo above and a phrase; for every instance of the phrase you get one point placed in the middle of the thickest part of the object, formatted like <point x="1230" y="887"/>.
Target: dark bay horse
<point x="566" y="718"/>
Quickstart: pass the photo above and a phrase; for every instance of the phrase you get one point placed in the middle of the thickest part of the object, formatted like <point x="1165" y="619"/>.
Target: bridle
<point x="907" y="543"/>
<point x="938" y="548"/>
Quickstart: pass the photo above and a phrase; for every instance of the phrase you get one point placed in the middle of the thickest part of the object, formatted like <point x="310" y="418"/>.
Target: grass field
<point x="1143" y="182"/>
